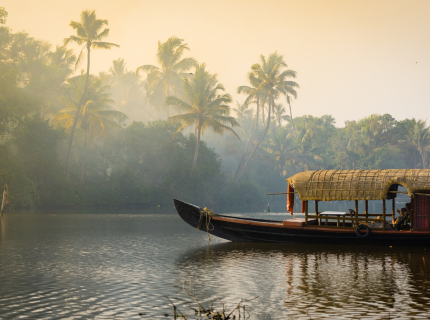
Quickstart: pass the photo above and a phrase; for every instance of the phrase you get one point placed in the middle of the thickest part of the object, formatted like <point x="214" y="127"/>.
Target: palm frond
<point x="103" y="45"/>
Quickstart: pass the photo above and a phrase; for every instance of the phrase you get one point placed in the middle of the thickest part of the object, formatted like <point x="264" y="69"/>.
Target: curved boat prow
<point x="188" y="212"/>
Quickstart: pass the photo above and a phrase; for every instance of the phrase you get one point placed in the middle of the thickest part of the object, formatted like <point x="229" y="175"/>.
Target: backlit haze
<point x="353" y="58"/>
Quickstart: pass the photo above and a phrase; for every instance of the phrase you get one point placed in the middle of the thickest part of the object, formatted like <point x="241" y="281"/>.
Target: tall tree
<point x="89" y="32"/>
<point x="242" y="110"/>
<point x="205" y="106"/>
<point x="127" y="91"/>
<point x="420" y="136"/>
<point x="167" y="79"/>
<point x="269" y="76"/>
<point x="291" y="113"/>
<point x="97" y="115"/>
<point x="279" y="113"/>
<point x="64" y="59"/>
<point x="282" y="146"/>
<point x="254" y="95"/>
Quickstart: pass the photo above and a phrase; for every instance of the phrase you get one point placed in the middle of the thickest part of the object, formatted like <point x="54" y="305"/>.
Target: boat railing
<point x="354" y="221"/>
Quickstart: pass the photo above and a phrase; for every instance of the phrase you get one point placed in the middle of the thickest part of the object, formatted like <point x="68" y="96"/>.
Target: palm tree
<point x="64" y="59"/>
<point x="242" y="110"/>
<point x="269" y="76"/>
<point x="307" y="152"/>
<point x="126" y="89"/>
<point x="291" y="114"/>
<point x="89" y="32"/>
<point x="253" y="93"/>
<point x="279" y="111"/>
<point x="282" y="146"/>
<point x="420" y="136"/>
<point x="97" y="113"/>
<point x="205" y="106"/>
<point x="167" y="79"/>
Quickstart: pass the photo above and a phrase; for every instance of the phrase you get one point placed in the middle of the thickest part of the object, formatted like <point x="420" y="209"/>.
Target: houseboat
<point x="411" y="227"/>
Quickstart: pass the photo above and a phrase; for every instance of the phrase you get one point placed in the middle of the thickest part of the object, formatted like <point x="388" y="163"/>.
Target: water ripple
<point x="115" y="266"/>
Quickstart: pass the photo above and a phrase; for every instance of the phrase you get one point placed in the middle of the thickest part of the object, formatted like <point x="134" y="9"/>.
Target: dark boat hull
<point x="256" y="230"/>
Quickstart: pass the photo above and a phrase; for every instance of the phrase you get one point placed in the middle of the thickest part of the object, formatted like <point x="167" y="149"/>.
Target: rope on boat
<point x="209" y="226"/>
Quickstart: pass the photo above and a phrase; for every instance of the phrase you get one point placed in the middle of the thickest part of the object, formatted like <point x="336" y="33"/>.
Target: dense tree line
<point x="145" y="136"/>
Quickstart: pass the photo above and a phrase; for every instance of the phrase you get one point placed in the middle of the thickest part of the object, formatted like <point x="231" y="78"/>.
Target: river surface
<point x="123" y="263"/>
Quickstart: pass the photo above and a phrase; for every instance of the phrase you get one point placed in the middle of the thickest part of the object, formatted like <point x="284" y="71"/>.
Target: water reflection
<point x="108" y="266"/>
<point x="302" y="281"/>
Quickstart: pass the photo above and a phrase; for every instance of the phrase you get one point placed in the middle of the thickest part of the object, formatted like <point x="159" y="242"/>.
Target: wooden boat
<point x="332" y="185"/>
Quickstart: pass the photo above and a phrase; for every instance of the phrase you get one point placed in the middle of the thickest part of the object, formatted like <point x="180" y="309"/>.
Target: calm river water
<point x="120" y="263"/>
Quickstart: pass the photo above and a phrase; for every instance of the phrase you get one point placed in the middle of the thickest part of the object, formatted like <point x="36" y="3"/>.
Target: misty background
<point x="359" y="74"/>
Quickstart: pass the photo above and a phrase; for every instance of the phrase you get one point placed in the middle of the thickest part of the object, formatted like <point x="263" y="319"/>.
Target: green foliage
<point x="115" y="162"/>
<point x="167" y="79"/>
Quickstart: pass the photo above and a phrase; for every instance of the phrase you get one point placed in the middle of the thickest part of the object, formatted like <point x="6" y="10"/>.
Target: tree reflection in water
<point x="297" y="281"/>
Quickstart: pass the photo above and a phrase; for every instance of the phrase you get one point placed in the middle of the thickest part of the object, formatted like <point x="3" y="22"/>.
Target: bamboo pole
<point x="383" y="214"/>
<point x="366" y="209"/>
<point x="275" y="194"/>
<point x="306" y="212"/>
<point x="316" y="212"/>
<point x="356" y="213"/>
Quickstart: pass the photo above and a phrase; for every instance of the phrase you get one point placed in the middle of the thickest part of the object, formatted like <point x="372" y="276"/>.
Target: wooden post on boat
<point x="366" y="209"/>
<point x="393" y="210"/>
<point x="306" y="212"/>
<point x="383" y="214"/>
<point x="316" y="212"/>
<point x="356" y="213"/>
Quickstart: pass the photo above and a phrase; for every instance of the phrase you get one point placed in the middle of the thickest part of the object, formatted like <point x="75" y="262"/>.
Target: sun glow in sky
<point x="353" y="58"/>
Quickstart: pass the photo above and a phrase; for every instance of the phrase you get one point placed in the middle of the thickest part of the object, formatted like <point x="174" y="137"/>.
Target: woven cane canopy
<point x="329" y="185"/>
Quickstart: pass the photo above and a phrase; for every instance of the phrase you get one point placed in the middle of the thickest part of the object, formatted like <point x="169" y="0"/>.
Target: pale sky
<point x="353" y="57"/>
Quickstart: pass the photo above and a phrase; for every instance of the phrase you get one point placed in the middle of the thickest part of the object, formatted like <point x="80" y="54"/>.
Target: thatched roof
<point x="329" y="185"/>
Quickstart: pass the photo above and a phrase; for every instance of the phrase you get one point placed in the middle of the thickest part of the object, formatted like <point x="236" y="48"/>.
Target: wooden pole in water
<point x="316" y="212"/>
<point x="4" y="202"/>
<point x="393" y="210"/>
<point x="366" y="209"/>
<point x="383" y="214"/>
<point x="356" y="213"/>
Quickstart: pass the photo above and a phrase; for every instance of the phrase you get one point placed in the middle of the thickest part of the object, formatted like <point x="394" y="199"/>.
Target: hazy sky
<point x="353" y="58"/>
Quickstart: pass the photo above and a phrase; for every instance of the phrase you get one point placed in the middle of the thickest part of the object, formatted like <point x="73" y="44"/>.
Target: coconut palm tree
<point x="126" y="90"/>
<point x="291" y="114"/>
<point x="279" y="113"/>
<point x="167" y="79"/>
<point x="254" y="95"/>
<point x="64" y="59"/>
<point x="205" y="107"/>
<point x="270" y="77"/>
<point x="97" y="115"/>
<point x="420" y="137"/>
<point x="282" y="146"/>
<point x="89" y="32"/>
<point x="242" y="110"/>
<point x="306" y="152"/>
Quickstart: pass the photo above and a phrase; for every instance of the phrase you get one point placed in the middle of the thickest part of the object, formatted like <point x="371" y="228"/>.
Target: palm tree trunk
<point x="260" y="140"/>
<point x="75" y="121"/>
<point x="196" y="153"/>
<point x="291" y="114"/>
<point x="249" y="140"/>
<point x="84" y="155"/>
<point x="262" y="110"/>
<point x="424" y="157"/>
<point x="166" y="91"/>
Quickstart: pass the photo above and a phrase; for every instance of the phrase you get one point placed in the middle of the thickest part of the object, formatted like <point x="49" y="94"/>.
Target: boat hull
<point x="256" y="230"/>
